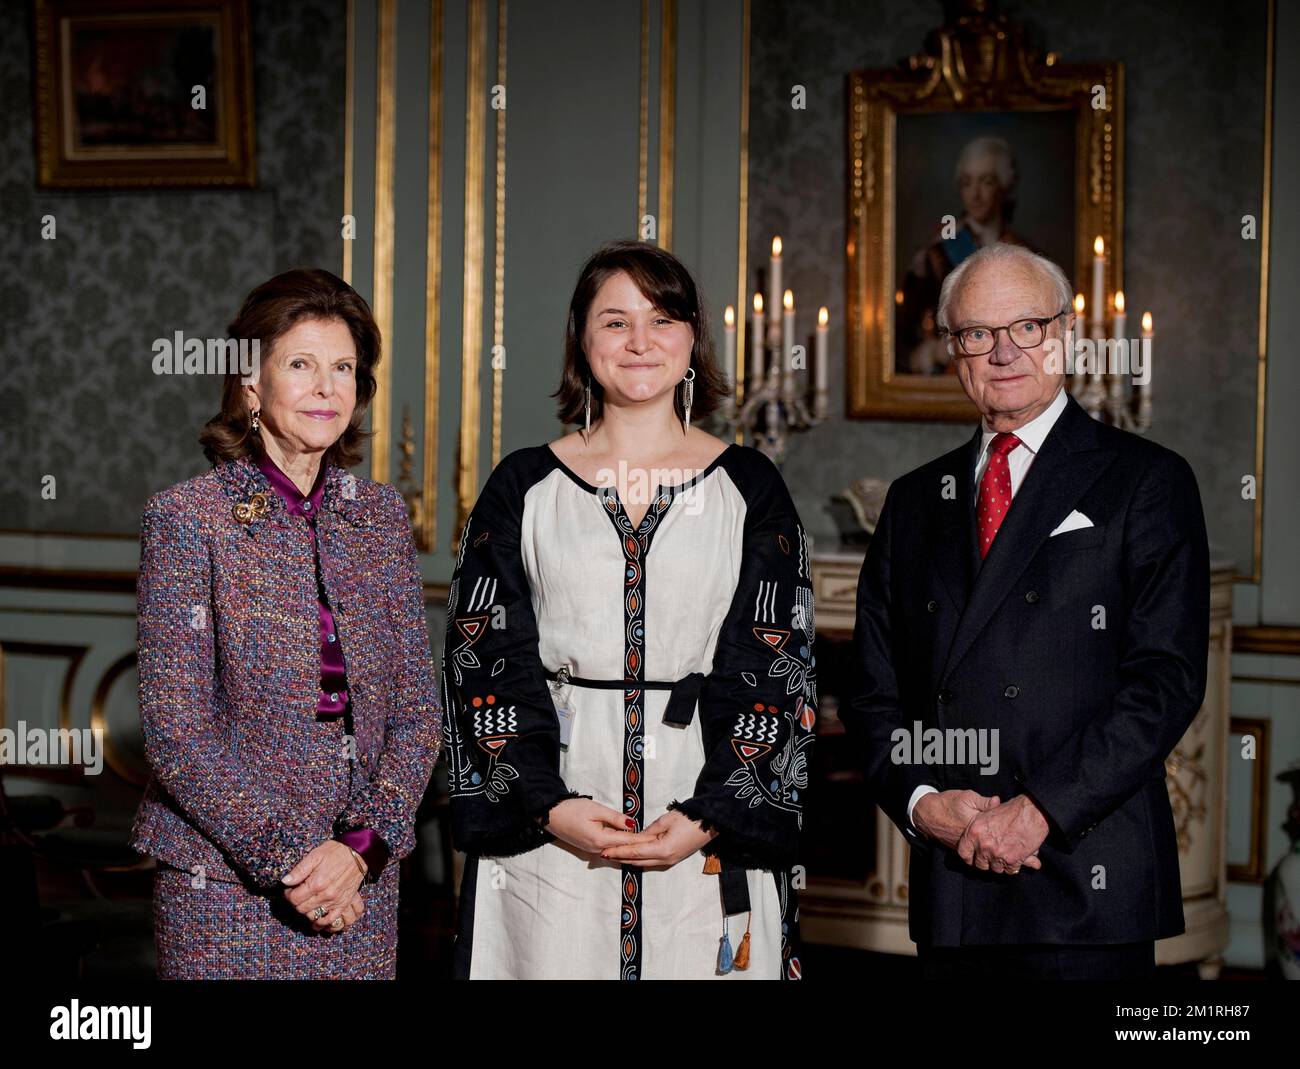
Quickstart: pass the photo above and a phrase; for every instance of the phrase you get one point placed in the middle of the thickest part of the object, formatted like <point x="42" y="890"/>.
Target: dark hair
<point x="271" y="310"/>
<point x="668" y="286"/>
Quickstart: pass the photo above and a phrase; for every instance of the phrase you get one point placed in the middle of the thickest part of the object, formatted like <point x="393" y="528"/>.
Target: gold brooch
<point x="254" y="508"/>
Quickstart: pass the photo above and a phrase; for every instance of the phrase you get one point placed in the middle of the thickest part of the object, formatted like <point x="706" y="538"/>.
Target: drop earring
<point x="586" y="405"/>
<point x="688" y="393"/>
<point x="256" y="426"/>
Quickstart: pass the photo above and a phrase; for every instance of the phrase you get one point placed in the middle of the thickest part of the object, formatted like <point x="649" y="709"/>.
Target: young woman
<point x="628" y="668"/>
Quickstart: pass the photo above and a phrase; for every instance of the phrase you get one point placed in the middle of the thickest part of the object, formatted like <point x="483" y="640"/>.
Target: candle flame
<point x="1078" y="304"/>
<point x="776" y="246"/>
<point x="1146" y="323"/>
<point x="788" y="300"/>
<point x="1119" y="301"/>
<point x="822" y="316"/>
<point x="1099" y="246"/>
<point x="729" y="316"/>
<point x="758" y="303"/>
<point x="898" y="297"/>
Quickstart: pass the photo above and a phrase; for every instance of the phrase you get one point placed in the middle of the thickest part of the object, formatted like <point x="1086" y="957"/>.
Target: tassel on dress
<point x="742" y="953"/>
<point x="725" y="960"/>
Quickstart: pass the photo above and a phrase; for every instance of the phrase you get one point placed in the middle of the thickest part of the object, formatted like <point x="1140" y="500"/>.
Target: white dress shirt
<point x="1031" y="435"/>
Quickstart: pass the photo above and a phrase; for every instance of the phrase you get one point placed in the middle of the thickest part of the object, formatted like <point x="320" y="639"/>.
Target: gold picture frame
<point x="975" y="72"/>
<point x="117" y="95"/>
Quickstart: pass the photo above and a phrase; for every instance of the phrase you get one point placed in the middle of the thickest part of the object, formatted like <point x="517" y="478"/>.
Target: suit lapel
<point x="953" y="535"/>
<point x="1071" y="460"/>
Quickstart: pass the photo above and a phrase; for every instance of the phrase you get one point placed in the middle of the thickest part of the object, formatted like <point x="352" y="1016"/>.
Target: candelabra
<point x="773" y="407"/>
<point x="1104" y="374"/>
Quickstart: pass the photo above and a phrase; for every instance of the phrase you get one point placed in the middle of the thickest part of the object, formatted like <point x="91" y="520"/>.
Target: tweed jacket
<point x="229" y="673"/>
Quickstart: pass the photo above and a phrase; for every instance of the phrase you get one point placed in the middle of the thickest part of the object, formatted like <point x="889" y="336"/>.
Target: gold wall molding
<point x="643" y="119"/>
<point x="1261" y="359"/>
<point x="427" y="525"/>
<point x="471" y="353"/>
<point x="667" y="118"/>
<point x="742" y="235"/>
<point x="131" y="773"/>
<point x="349" y="129"/>
<point x="1255" y="868"/>
<point x="1283" y="641"/>
<point x="385" y="150"/>
<point x="74" y="655"/>
<point x="499" y="252"/>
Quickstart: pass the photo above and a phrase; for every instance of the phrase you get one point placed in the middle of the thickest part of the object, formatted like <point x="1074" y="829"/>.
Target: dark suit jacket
<point x="1086" y="651"/>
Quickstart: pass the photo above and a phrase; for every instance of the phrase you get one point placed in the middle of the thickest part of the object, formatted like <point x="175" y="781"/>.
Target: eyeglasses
<point x="1026" y="333"/>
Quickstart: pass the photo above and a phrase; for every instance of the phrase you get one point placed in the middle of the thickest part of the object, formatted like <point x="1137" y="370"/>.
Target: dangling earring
<point x="586" y="405"/>
<point x="256" y="426"/>
<point x="688" y="393"/>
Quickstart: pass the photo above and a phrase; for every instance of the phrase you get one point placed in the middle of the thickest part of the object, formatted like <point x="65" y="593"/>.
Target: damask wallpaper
<point x="79" y="400"/>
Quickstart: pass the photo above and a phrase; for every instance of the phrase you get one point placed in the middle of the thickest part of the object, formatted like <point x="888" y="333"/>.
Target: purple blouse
<point x="333" y="698"/>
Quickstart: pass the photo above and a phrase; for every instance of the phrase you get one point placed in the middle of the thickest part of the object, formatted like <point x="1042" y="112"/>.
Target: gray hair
<point x="1002" y="253"/>
<point x="999" y="151"/>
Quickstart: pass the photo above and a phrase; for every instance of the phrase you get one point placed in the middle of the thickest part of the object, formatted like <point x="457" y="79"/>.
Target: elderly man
<point x="1031" y="643"/>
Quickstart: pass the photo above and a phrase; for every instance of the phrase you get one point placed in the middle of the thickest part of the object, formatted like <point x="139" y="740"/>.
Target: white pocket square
<point x="1073" y="522"/>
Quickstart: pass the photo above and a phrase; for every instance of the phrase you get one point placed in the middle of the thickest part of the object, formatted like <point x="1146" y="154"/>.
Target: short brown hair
<point x="269" y="311"/>
<point x="668" y="286"/>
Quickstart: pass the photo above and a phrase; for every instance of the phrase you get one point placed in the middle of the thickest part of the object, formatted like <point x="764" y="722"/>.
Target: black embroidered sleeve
<point x="502" y="732"/>
<point x="758" y="704"/>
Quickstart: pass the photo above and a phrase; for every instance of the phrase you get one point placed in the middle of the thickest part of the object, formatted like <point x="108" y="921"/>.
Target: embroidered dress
<point x="663" y="666"/>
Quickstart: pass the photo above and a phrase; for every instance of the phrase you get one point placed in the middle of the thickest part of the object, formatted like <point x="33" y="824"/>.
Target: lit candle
<point x="729" y="345"/>
<point x="1148" y="332"/>
<point x="1117" y="333"/>
<point x="1144" y="392"/>
<point x="787" y="345"/>
<point x="820" y="371"/>
<point x="774" y="284"/>
<point x="1098" y="288"/>
<point x="756" y="344"/>
<point x="819" y="362"/>
<point x="1080" y="327"/>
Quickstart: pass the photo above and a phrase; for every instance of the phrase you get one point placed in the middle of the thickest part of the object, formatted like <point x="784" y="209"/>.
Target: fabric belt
<point x="681" y="702"/>
<point x="680" y="710"/>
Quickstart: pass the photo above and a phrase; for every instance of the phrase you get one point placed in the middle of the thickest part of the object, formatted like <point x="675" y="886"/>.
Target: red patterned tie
<point x="995" y="490"/>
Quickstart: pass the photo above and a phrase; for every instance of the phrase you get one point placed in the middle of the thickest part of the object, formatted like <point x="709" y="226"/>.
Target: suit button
<point x="1032" y="597"/>
<point x="931" y="606"/>
<point x="1011" y="691"/>
<point x="945" y="696"/>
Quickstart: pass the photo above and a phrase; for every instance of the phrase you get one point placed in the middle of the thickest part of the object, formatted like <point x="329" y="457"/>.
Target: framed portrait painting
<point x="977" y="139"/>
<point x="143" y="93"/>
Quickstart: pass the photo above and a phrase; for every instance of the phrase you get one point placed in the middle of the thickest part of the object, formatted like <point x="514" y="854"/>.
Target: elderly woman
<point x="628" y="669"/>
<point x="287" y="693"/>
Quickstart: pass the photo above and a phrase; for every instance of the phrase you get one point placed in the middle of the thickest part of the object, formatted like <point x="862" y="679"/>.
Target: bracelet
<point x="365" y="869"/>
